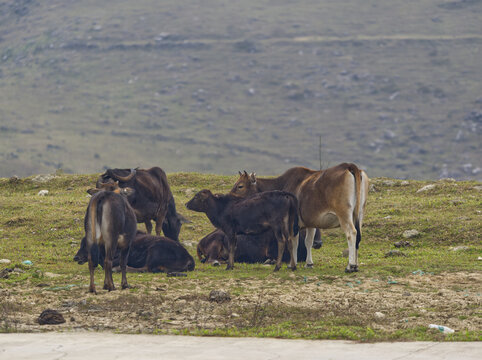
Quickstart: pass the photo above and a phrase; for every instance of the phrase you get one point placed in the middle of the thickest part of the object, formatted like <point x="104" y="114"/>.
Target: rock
<point x="5" y="261"/>
<point x="460" y="248"/>
<point x="388" y="182"/>
<point x="407" y="234"/>
<point x="426" y="188"/>
<point x="404" y="183"/>
<point x="50" y="317"/>
<point x="14" y="179"/>
<point x="219" y="296"/>
<point x="4" y="274"/>
<point x="393" y="253"/>
<point x="43" y="192"/>
<point x="43" y="178"/>
<point x="51" y="275"/>
<point x="402" y="243"/>
<point x="379" y="315"/>
<point x="478" y="188"/>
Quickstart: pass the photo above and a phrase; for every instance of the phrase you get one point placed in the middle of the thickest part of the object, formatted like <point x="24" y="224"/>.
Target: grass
<point x="47" y="231"/>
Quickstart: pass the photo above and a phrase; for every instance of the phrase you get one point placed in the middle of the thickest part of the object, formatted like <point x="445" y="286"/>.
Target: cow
<point x="151" y="198"/>
<point x="260" y="248"/>
<point x="276" y="211"/>
<point x="110" y="223"/>
<point x="334" y="197"/>
<point x="148" y="253"/>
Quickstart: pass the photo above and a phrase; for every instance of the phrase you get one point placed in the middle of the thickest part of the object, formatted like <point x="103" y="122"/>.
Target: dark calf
<point x="275" y="211"/>
<point x="250" y="248"/>
<point x="147" y="253"/>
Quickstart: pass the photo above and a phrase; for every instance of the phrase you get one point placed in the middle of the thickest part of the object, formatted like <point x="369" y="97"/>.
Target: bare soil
<point x="165" y="304"/>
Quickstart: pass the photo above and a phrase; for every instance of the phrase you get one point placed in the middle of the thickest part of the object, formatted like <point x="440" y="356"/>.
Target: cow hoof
<point x="293" y="268"/>
<point x="126" y="286"/>
<point x="276" y="268"/>
<point x="309" y="266"/>
<point x="229" y="267"/>
<point x="351" y="269"/>
<point x="203" y="260"/>
<point x="216" y="263"/>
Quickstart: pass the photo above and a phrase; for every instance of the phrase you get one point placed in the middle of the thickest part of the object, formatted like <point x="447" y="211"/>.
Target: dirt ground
<point x="165" y="304"/>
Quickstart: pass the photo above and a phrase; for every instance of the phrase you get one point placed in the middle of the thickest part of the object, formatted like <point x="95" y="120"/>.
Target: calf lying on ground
<point x="109" y="223"/>
<point x="213" y="248"/>
<point x="275" y="211"/>
<point x="148" y="253"/>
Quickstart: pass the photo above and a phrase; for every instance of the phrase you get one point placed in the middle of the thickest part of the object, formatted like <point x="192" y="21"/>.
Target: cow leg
<point x="232" y="248"/>
<point x="108" y="281"/>
<point x="349" y="229"/>
<point x="160" y="220"/>
<point x="293" y="253"/>
<point x="91" y="270"/>
<point x="148" y="226"/>
<point x="293" y="249"/>
<point x="123" y="265"/>
<point x="281" y="249"/>
<point x="310" y="235"/>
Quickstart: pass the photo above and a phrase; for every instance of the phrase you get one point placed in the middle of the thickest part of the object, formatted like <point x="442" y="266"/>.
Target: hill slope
<point x="219" y="86"/>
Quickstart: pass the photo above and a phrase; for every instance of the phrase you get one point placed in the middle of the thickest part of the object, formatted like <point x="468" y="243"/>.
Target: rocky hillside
<point x="219" y="87"/>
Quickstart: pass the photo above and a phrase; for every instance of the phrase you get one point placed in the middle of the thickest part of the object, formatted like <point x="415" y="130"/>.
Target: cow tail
<point x="199" y="253"/>
<point x="356" y="213"/>
<point x="294" y="215"/>
<point x="93" y="221"/>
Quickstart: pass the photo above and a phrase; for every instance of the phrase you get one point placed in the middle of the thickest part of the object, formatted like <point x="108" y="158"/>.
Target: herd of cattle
<point x="259" y="220"/>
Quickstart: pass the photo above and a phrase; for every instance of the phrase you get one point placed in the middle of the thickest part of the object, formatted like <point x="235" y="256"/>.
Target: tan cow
<point x="327" y="199"/>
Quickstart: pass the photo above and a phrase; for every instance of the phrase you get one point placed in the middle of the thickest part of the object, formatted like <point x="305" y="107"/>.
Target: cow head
<point x="81" y="257"/>
<point x="246" y="185"/>
<point x="200" y="201"/>
<point x="119" y="175"/>
<point x="111" y="186"/>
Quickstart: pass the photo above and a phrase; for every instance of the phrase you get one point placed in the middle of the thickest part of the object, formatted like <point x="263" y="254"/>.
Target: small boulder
<point x="50" y="317"/>
<point x="426" y="188"/>
<point x="393" y="253"/>
<point x="407" y="234"/>
<point x="5" y="261"/>
<point x="379" y="315"/>
<point x="219" y="296"/>
<point x="43" y="193"/>
<point x="402" y="244"/>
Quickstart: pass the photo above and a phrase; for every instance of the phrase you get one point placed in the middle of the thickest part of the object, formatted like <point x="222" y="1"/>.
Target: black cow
<point x="151" y="198"/>
<point x="110" y="223"/>
<point x="148" y="253"/>
<point x="260" y="248"/>
<point x="276" y="211"/>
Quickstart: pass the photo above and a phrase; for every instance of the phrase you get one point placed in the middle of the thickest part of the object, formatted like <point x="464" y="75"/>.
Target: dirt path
<point x="112" y="346"/>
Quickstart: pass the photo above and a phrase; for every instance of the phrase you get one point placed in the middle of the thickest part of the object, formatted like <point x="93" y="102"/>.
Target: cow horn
<point x="240" y="173"/>
<point x="128" y="177"/>
<point x="245" y="173"/>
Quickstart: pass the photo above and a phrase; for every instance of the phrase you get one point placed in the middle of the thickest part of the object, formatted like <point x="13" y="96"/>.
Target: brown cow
<point x="326" y="198"/>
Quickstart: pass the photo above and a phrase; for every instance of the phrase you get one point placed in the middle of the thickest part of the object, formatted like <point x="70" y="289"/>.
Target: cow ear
<point x="240" y="173"/>
<point x="253" y="177"/>
<point x="93" y="191"/>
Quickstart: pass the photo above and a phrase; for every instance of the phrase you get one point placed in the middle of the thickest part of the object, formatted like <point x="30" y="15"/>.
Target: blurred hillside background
<point x="221" y="86"/>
